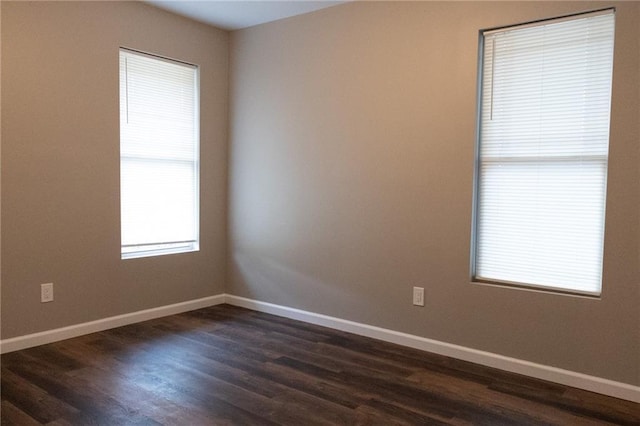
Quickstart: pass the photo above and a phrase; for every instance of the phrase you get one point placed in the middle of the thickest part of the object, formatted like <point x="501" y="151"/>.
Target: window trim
<point x="475" y="209"/>
<point x="176" y="247"/>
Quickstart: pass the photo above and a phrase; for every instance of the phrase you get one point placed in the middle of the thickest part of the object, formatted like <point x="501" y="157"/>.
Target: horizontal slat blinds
<point x="543" y="147"/>
<point x="159" y="154"/>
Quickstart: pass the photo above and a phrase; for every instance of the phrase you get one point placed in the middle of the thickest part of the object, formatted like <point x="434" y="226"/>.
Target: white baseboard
<point x="55" y="335"/>
<point x="514" y="365"/>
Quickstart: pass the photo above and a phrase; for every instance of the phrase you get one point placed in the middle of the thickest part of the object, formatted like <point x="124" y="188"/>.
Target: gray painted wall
<point x="60" y="163"/>
<point x="351" y="181"/>
<point x="351" y="163"/>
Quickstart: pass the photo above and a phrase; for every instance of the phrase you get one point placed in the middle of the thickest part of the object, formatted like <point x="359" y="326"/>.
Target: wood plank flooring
<point x="230" y="366"/>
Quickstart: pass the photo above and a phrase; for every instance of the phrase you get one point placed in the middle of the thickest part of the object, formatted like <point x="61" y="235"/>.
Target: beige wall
<point x="352" y="140"/>
<point x="352" y="133"/>
<point x="60" y="163"/>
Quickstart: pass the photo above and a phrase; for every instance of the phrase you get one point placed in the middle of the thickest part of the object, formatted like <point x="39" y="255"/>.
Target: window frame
<point x="474" y="241"/>
<point x="133" y="251"/>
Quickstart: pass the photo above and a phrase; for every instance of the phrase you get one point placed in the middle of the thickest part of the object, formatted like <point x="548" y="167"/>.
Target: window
<point x="159" y="155"/>
<point x="543" y="138"/>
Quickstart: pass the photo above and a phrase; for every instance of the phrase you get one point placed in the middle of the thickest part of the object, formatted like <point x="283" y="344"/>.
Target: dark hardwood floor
<point x="227" y="365"/>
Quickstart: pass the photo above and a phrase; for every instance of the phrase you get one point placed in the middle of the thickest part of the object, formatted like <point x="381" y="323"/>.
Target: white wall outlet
<point x="46" y="292"/>
<point x="418" y="296"/>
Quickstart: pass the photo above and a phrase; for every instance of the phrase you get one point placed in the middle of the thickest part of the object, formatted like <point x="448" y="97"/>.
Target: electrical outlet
<point x="418" y="296"/>
<point x="46" y="292"/>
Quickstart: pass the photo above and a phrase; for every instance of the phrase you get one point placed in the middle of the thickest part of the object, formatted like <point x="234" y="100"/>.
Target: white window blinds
<point x="159" y="155"/>
<point x="542" y="156"/>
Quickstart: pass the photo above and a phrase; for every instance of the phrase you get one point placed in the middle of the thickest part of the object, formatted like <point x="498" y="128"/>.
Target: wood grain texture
<point x="230" y="366"/>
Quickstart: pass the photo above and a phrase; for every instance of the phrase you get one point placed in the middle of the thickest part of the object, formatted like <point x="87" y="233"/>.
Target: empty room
<point x="320" y="213"/>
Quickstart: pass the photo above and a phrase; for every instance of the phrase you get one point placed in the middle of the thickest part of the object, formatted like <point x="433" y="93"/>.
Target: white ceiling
<point x="238" y="14"/>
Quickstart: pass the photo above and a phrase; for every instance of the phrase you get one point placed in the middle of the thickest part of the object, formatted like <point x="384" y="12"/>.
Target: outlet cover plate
<point x="418" y="296"/>
<point x="46" y="292"/>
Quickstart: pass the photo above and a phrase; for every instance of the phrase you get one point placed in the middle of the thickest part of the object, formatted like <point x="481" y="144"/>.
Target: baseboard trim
<point x="557" y="375"/>
<point x="514" y="365"/>
<point x="55" y="335"/>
